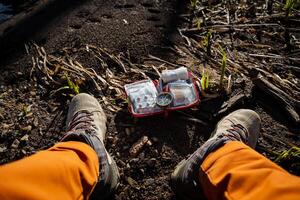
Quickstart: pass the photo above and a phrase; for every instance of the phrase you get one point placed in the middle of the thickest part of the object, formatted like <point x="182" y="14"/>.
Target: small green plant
<point x="289" y="159"/>
<point x="223" y="66"/>
<point x="207" y="42"/>
<point x="197" y="23"/>
<point x="26" y="110"/>
<point x="194" y="4"/>
<point x="289" y="5"/>
<point x="289" y="155"/>
<point x="204" y="81"/>
<point x="72" y="85"/>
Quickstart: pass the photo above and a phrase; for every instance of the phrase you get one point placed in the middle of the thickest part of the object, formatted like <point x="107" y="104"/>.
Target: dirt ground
<point x="30" y="120"/>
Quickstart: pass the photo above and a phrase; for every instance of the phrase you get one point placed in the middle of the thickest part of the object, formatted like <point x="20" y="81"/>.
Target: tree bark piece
<point x="284" y="100"/>
<point x="231" y="103"/>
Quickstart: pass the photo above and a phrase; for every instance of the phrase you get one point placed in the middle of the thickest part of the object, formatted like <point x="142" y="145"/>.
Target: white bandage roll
<point x="174" y="75"/>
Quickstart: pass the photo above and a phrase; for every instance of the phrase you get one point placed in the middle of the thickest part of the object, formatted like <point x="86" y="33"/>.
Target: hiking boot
<point x="242" y="125"/>
<point x="86" y="122"/>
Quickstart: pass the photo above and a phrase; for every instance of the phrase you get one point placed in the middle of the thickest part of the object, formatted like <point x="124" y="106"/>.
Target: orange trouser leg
<point x="235" y="171"/>
<point x="69" y="170"/>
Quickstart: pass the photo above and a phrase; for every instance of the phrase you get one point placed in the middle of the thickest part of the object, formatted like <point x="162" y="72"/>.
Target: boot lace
<point x="82" y="120"/>
<point x="237" y="132"/>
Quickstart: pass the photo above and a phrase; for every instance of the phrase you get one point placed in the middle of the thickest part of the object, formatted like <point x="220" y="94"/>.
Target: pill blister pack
<point x="142" y="96"/>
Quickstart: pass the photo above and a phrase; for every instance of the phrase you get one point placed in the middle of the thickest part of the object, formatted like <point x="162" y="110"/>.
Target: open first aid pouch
<point x="175" y="90"/>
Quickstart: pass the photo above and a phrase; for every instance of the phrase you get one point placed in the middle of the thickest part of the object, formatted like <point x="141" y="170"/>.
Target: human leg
<point x="86" y="127"/>
<point x="235" y="171"/>
<point x="68" y="170"/>
<point x="242" y="126"/>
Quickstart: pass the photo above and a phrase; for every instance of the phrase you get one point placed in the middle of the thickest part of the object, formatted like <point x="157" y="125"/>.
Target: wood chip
<point x="138" y="146"/>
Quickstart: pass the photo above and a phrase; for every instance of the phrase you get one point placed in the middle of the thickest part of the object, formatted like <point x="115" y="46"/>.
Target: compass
<point x="164" y="99"/>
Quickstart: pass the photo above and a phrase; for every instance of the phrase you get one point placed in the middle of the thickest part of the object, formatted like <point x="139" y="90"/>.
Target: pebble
<point x="2" y="149"/>
<point x="155" y="139"/>
<point x="155" y="152"/>
<point x="128" y="166"/>
<point x="5" y="126"/>
<point x="32" y="93"/>
<point x="29" y="115"/>
<point x="151" y="162"/>
<point x="149" y="181"/>
<point x="142" y="156"/>
<point x="137" y="147"/>
<point x="142" y="171"/>
<point x="25" y="138"/>
<point x="127" y="131"/>
<point x="125" y="147"/>
<point x="131" y="182"/>
<point x="134" y="160"/>
<point x="110" y="139"/>
<point x="15" y="144"/>
<point x="27" y="128"/>
<point x="35" y="122"/>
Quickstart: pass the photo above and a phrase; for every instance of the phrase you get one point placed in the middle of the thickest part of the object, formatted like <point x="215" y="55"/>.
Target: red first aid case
<point x="145" y="98"/>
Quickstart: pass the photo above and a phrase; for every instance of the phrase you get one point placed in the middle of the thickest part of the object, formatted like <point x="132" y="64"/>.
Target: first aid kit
<point x="175" y="90"/>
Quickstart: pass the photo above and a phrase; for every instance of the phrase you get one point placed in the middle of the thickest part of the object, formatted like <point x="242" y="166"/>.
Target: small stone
<point x="32" y="93"/>
<point x="134" y="160"/>
<point x="41" y="132"/>
<point x="131" y="182"/>
<point x="26" y="128"/>
<point x="149" y="143"/>
<point x="155" y="139"/>
<point x="127" y="131"/>
<point x="23" y="152"/>
<point x="29" y="114"/>
<point x="35" y="122"/>
<point x="125" y="21"/>
<point x="110" y="139"/>
<point x="149" y="181"/>
<point x="25" y="138"/>
<point x="128" y="166"/>
<point x="240" y="82"/>
<point x="125" y="148"/>
<point x="2" y="149"/>
<point x="142" y="156"/>
<point x="142" y="171"/>
<point x="155" y="152"/>
<point x="151" y="162"/>
<point x="5" y="126"/>
<point x="15" y="144"/>
<point x="137" y="147"/>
